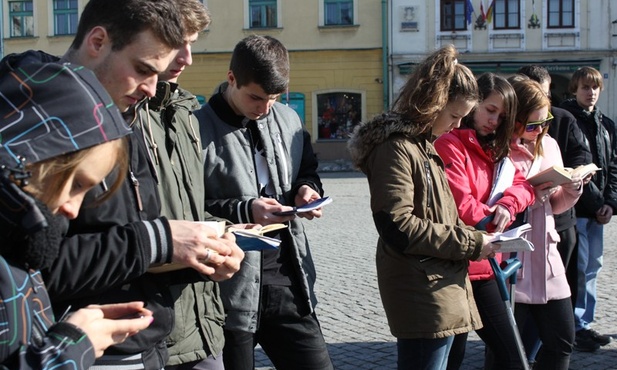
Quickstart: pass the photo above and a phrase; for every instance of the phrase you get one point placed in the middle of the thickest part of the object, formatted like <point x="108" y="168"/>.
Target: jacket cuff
<point x="244" y="211"/>
<point x="158" y="241"/>
<point x="478" y="239"/>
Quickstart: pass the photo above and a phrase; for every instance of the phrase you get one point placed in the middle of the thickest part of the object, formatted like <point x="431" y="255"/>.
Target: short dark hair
<point x="535" y="72"/>
<point x="262" y="60"/>
<point x="125" y="19"/>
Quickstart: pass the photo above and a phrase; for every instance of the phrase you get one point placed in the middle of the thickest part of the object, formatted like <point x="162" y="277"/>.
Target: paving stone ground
<point x="350" y="311"/>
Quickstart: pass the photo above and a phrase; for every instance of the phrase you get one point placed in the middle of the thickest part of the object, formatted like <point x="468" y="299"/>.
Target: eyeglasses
<point x="531" y="126"/>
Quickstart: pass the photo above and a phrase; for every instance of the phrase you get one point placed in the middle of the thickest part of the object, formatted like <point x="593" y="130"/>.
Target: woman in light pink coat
<point x="542" y="290"/>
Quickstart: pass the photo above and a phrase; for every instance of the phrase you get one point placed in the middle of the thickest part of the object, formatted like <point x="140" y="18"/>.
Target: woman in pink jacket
<point x="542" y="290"/>
<point x="470" y="155"/>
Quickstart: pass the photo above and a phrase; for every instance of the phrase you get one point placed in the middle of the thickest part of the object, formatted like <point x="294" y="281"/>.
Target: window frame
<point x="339" y="11"/>
<point x="507" y="15"/>
<point x="358" y="105"/>
<point x="264" y="5"/>
<point x="560" y="12"/>
<point x="70" y="23"/>
<point x="443" y="5"/>
<point x="22" y="14"/>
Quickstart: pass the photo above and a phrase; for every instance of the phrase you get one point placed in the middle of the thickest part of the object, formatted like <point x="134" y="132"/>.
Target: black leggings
<point x="497" y="333"/>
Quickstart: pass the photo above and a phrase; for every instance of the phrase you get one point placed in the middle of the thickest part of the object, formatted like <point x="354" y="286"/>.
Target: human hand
<point x="488" y="248"/>
<point x="264" y="208"/>
<point x="502" y="217"/>
<point x="575" y="184"/>
<point x="196" y="244"/>
<point x="305" y="195"/>
<point x="543" y="191"/>
<point x="231" y="263"/>
<point x="604" y="214"/>
<point x="108" y="325"/>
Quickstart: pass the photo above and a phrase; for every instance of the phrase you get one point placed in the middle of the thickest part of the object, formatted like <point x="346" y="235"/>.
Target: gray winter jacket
<point x="231" y="185"/>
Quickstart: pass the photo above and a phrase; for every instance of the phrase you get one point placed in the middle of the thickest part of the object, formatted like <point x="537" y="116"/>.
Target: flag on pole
<point x="469" y="12"/>
<point x="482" y="10"/>
<point x="489" y="12"/>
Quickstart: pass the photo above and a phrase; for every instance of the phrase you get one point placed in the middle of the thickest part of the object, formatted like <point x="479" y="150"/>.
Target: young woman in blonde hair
<point x="423" y="247"/>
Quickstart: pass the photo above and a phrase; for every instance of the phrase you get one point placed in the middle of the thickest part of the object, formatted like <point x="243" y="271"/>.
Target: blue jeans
<point x="423" y="354"/>
<point x="590" y="250"/>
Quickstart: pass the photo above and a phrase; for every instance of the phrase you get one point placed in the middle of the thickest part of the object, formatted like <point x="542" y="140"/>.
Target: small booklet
<point x="255" y="239"/>
<point x="247" y="240"/>
<point x="512" y="240"/>
<point x="307" y="207"/>
<point x="504" y="177"/>
<point x="559" y="175"/>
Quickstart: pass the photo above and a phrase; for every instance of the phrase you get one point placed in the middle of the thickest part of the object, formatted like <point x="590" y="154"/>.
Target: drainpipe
<point x="384" y="54"/>
<point x="1" y="29"/>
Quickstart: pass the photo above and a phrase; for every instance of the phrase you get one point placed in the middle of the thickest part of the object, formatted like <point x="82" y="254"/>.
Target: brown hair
<point x="49" y="177"/>
<point x="531" y="97"/>
<point x="195" y="16"/>
<point x="437" y="80"/>
<point x="498" y="144"/>
<point x="585" y="74"/>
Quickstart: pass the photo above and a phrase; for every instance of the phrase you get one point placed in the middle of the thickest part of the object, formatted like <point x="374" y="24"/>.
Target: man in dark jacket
<point x="261" y="162"/>
<point x="173" y="140"/>
<point x="598" y="202"/>
<point x="110" y="247"/>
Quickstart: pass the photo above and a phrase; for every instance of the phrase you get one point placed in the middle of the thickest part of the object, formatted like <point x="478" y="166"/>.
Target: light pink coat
<point x="542" y="277"/>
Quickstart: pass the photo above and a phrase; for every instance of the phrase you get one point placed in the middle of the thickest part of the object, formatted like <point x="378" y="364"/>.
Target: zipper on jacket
<point x="137" y="193"/>
<point x="429" y="184"/>
<point x="279" y="143"/>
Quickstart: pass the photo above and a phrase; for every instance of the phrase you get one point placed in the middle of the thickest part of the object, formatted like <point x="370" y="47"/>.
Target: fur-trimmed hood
<point x="370" y="134"/>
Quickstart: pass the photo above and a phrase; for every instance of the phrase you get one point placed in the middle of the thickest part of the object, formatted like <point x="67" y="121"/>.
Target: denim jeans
<point x="590" y="250"/>
<point x="291" y="340"/>
<point x="423" y="354"/>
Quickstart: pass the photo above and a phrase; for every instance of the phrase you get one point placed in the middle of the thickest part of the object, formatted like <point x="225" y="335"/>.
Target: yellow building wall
<point x="311" y="71"/>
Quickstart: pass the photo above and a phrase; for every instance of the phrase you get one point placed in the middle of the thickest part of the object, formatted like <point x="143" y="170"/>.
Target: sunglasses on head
<point x="531" y="126"/>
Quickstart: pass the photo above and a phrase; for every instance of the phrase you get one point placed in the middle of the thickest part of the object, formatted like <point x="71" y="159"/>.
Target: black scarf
<point x="32" y="233"/>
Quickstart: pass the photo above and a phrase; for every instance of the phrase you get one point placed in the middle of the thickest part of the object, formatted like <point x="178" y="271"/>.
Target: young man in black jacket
<point x="598" y="202"/>
<point x="110" y="247"/>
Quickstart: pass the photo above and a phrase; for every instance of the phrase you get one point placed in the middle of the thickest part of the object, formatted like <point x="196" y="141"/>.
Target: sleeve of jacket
<point x="578" y="153"/>
<point x="392" y="187"/>
<point x="308" y="169"/>
<point x="610" y="192"/>
<point x="64" y="347"/>
<point x="471" y="210"/>
<point x="90" y="262"/>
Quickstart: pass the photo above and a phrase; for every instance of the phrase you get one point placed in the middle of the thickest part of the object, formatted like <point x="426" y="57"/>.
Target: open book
<point x="559" y="175"/>
<point x="247" y="240"/>
<point x="307" y="207"/>
<point x="512" y="240"/>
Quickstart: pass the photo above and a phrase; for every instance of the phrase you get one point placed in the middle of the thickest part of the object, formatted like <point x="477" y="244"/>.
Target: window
<point x="337" y="114"/>
<point x="65" y="17"/>
<point x="338" y="12"/>
<point x="507" y="14"/>
<point x="453" y="15"/>
<point x="561" y="14"/>
<point x="262" y="13"/>
<point x="22" y="20"/>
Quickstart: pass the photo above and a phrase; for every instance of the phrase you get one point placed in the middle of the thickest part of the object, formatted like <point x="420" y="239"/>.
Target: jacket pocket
<point x="554" y="258"/>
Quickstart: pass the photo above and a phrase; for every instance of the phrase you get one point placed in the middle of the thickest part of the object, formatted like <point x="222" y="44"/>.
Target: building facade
<point x="335" y="49"/>
<point x="502" y="35"/>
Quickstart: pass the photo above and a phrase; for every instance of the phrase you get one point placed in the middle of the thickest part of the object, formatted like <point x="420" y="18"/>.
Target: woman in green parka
<point x="423" y="248"/>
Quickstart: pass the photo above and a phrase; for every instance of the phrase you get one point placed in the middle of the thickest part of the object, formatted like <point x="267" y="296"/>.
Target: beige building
<point x="561" y="35"/>
<point x="335" y="49"/>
